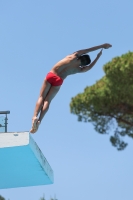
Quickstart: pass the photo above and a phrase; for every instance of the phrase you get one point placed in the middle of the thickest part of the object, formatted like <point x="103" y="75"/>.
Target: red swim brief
<point x="53" y="79"/>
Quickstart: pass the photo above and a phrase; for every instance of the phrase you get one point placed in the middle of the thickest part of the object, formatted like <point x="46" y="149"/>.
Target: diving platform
<point x="22" y="164"/>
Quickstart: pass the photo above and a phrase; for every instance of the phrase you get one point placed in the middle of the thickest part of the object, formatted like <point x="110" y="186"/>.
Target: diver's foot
<point x="34" y="130"/>
<point x="34" y="122"/>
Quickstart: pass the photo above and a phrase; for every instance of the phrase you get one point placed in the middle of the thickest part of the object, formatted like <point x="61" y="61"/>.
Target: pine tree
<point x="109" y="102"/>
<point x="2" y="198"/>
<point x="42" y="198"/>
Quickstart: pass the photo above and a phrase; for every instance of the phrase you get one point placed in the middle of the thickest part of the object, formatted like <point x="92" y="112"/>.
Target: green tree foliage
<point x="53" y="199"/>
<point x="2" y="198"/>
<point x="108" y="104"/>
<point x="43" y="198"/>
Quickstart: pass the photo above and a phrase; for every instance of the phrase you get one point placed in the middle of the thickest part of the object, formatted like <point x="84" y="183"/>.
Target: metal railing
<point x="6" y="119"/>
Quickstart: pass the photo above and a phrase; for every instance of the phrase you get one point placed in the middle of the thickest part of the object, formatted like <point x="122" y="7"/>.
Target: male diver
<point x="76" y="62"/>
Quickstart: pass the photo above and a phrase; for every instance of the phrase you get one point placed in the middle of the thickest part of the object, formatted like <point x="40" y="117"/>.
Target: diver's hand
<point x="99" y="54"/>
<point x="107" y="46"/>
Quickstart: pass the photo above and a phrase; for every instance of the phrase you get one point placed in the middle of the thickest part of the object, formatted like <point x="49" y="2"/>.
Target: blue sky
<point x="34" y="35"/>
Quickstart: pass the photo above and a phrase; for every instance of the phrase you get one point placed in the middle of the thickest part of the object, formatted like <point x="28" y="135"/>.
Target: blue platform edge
<point x="24" y="166"/>
<point x="42" y="160"/>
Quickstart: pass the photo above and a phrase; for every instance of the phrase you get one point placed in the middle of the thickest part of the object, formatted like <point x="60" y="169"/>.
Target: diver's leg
<point x="44" y="91"/>
<point x="51" y="94"/>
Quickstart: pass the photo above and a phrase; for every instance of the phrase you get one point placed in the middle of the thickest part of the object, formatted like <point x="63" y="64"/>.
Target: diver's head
<point x="85" y="59"/>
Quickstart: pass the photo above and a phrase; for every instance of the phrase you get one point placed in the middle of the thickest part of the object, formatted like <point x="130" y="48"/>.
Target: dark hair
<point x="85" y="59"/>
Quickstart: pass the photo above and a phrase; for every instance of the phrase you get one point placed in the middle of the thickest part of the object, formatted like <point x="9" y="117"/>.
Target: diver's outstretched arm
<point x="84" y="51"/>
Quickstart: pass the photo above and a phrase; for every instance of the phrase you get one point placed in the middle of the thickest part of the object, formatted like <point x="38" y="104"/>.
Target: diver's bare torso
<point x="67" y="66"/>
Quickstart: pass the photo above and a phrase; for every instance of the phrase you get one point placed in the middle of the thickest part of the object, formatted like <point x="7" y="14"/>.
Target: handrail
<point x="5" y="112"/>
